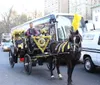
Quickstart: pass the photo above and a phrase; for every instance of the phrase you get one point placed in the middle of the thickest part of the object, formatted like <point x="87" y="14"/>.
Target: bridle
<point x="74" y="44"/>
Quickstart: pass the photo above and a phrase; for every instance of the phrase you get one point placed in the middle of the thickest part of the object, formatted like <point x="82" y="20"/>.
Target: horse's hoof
<point x="60" y="76"/>
<point x="52" y="76"/>
<point x="70" y="84"/>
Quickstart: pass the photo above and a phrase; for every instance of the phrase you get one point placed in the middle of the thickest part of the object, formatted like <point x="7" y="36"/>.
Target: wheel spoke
<point x="11" y="60"/>
<point x="28" y="64"/>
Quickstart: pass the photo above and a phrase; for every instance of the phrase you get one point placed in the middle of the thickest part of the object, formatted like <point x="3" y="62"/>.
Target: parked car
<point x="6" y="44"/>
<point x="90" y="54"/>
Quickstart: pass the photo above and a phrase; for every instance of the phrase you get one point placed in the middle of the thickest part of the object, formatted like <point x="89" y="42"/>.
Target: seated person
<point x="18" y="40"/>
<point x="31" y="32"/>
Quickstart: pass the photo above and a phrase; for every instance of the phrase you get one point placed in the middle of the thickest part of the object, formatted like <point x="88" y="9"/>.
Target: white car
<point x="6" y="45"/>
<point x="90" y="54"/>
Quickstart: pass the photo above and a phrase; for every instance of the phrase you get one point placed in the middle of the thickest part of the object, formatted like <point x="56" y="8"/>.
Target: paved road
<point x="41" y="76"/>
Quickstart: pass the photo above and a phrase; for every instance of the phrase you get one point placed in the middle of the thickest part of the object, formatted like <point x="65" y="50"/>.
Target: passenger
<point x="18" y="40"/>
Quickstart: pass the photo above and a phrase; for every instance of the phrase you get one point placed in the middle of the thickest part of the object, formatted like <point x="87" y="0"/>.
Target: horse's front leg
<point x="70" y="71"/>
<point x="51" y="65"/>
<point x="57" y="67"/>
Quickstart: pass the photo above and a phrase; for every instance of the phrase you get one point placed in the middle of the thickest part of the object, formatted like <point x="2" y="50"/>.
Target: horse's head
<point x="75" y="41"/>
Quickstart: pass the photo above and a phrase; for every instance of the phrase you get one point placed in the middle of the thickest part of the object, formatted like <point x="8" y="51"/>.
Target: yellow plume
<point x="76" y="22"/>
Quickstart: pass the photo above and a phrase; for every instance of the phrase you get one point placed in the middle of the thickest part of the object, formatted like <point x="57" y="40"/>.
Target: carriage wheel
<point x="11" y="61"/>
<point x="28" y="64"/>
<point x="53" y="64"/>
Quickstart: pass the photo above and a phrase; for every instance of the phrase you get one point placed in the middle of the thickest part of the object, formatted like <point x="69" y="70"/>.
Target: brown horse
<point x="71" y="54"/>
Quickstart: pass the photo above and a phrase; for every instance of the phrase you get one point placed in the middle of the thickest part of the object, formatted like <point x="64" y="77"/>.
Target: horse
<point x="71" y="54"/>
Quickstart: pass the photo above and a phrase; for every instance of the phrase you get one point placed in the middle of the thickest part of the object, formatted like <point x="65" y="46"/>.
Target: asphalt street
<point x="41" y="75"/>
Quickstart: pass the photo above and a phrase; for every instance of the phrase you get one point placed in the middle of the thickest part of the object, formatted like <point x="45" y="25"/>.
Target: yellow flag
<point x="76" y="22"/>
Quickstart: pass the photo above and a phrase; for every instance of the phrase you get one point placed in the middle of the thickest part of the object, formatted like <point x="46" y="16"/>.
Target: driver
<point x="31" y="32"/>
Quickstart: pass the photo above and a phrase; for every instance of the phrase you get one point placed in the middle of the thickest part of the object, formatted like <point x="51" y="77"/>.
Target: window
<point x="95" y="2"/>
<point x="64" y="26"/>
<point x="52" y="32"/>
<point x="99" y="41"/>
<point x="4" y="40"/>
<point x="60" y="34"/>
<point x="88" y="37"/>
<point x="96" y="18"/>
<point x="49" y="28"/>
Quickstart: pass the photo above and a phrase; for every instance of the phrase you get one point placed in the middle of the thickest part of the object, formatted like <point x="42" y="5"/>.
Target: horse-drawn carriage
<point x="51" y="48"/>
<point x="30" y="57"/>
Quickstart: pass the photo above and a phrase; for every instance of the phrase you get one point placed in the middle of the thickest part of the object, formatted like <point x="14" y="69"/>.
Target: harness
<point x="61" y="47"/>
<point x="68" y="46"/>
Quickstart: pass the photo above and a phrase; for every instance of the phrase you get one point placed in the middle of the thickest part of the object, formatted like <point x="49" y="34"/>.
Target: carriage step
<point x="36" y="49"/>
<point x="41" y="56"/>
<point x="45" y="54"/>
<point x="26" y="64"/>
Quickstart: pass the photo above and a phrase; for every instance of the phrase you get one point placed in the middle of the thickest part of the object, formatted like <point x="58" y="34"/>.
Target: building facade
<point x="95" y="2"/>
<point x="95" y="10"/>
<point x="56" y="6"/>
<point x="82" y="7"/>
<point x="86" y="8"/>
